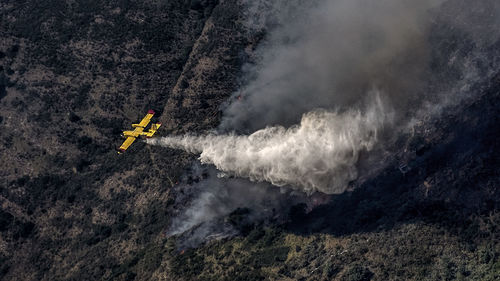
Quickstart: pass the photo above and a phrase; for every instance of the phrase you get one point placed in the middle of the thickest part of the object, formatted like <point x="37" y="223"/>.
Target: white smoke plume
<point x="319" y="154"/>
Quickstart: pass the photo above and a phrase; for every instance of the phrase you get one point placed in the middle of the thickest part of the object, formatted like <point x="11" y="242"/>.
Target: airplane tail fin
<point x="152" y="130"/>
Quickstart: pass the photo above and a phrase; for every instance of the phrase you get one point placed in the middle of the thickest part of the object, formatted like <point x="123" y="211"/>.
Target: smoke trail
<point x="319" y="154"/>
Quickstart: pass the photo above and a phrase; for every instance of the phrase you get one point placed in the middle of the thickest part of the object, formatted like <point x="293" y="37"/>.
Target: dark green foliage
<point x="369" y="212"/>
<point x="13" y="50"/>
<point x="26" y="229"/>
<point x="82" y="164"/>
<point x="4" y="265"/>
<point x="297" y="213"/>
<point x="152" y="258"/>
<point x="246" y="273"/>
<point x="46" y="182"/>
<point x="330" y="270"/>
<point x="239" y="219"/>
<point x="9" y="71"/>
<point x="7" y="141"/>
<point x="101" y="232"/>
<point x="188" y="264"/>
<point x="80" y="98"/>
<point x="22" y="180"/>
<point x="73" y="117"/>
<point x="84" y="142"/>
<point x="449" y="270"/>
<point x="272" y="236"/>
<point x="268" y="257"/>
<point x="4" y="82"/>
<point x="43" y="117"/>
<point x="113" y="126"/>
<point x="255" y="235"/>
<point x="357" y="273"/>
<point x="17" y="103"/>
<point x="5" y="220"/>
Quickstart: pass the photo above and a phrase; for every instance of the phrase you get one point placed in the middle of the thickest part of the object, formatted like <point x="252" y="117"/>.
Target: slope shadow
<point x="447" y="181"/>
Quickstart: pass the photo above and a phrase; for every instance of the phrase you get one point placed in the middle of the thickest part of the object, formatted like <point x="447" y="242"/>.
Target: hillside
<point x="74" y="74"/>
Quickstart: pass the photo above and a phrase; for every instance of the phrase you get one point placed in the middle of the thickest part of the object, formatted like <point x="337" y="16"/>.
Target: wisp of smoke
<point x="203" y="207"/>
<point x="319" y="154"/>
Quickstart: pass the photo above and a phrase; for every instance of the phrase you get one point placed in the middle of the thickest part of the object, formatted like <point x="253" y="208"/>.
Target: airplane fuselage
<point x="134" y="134"/>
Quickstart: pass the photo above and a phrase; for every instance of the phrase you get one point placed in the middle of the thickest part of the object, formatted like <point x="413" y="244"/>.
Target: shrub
<point x="26" y="229"/>
<point x="5" y="220"/>
<point x="268" y="257"/>
<point x="357" y="273"/>
<point x="73" y="117"/>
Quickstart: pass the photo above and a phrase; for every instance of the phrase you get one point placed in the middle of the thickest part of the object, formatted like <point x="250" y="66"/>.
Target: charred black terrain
<point x="73" y="74"/>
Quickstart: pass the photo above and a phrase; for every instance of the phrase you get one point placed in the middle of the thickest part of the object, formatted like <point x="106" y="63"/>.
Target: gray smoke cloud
<point x="330" y="54"/>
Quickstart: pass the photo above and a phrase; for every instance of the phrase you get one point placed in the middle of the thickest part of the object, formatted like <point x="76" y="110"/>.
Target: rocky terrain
<point x="74" y="74"/>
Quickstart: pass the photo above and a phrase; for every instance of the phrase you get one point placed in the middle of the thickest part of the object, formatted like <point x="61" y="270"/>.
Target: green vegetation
<point x="407" y="252"/>
<point x="74" y="74"/>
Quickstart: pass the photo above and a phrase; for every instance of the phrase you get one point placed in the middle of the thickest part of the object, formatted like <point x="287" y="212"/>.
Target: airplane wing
<point x="138" y="130"/>
<point x="126" y="144"/>
<point x="145" y="121"/>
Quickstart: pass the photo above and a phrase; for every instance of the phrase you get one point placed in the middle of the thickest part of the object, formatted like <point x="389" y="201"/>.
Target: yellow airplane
<point x="139" y="131"/>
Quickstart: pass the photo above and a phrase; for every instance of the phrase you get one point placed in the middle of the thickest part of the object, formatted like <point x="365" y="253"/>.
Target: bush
<point x="357" y="273"/>
<point x="4" y="81"/>
<point x="255" y="235"/>
<point x="101" y="232"/>
<point x="26" y="229"/>
<point x="83" y="142"/>
<point x="73" y="117"/>
<point x="5" y="220"/>
<point x="4" y="266"/>
<point x="297" y="213"/>
<point x="13" y="50"/>
<point x="189" y="264"/>
<point x="268" y="257"/>
<point x="239" y="219"/>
